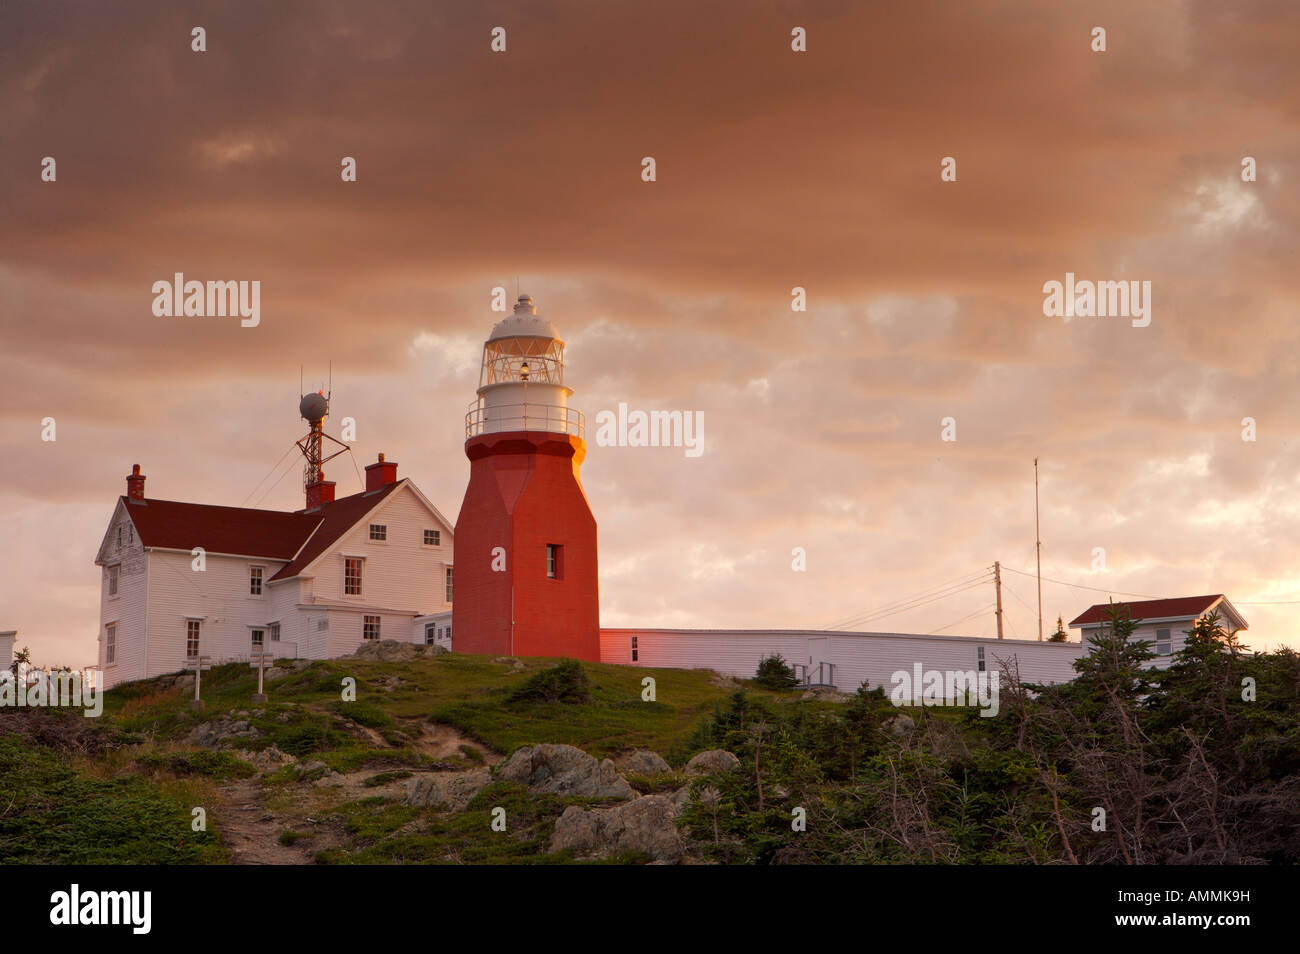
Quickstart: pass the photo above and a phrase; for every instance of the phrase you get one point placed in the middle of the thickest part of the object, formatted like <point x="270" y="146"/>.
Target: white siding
<point x="401" y="573"/>
<point x="858" y="657"/>
<point x="128" y="608"/>
<point x="1177" y="637"/>
<point x="219" y="594"/>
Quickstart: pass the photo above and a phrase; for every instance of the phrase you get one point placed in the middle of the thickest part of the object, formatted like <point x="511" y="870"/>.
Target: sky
<point x="774" y="169"/>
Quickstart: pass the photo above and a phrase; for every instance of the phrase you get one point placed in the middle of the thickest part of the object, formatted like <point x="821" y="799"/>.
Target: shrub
<point x="566" y="682"/>
<point x="773" y="673"/>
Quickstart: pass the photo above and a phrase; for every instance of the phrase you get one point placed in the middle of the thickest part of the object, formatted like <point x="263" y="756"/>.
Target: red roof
<point x="1189" y="607"/>
<point x="339" y="517"/>
<point x="271" y="534"/>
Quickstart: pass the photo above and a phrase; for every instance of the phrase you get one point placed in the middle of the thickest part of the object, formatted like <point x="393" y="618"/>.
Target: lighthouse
<point x="525" y="575"/>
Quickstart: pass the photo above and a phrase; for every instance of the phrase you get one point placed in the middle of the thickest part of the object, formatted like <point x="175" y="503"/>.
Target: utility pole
<point x="997" y="583"/>
<point x="1038" y="549"/>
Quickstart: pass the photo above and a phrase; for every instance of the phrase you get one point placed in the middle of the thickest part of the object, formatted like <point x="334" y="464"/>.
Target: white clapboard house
<point x="1164" y="623"/>
<point x="184" y="579"/>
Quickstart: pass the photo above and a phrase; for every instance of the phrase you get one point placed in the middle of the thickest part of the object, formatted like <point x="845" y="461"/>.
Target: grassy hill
<point x="1193" y="764"/>
<point x="123" y="788"/>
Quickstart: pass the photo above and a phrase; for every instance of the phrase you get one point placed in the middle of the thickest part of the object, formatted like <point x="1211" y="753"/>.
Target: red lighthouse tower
<point x="525" y="580"/>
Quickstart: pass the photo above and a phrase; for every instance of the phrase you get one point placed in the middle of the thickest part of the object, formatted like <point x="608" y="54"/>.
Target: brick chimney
<point x="380" y="474"/>
<point x="321" y="492"/>
<point x="135" y="484"/>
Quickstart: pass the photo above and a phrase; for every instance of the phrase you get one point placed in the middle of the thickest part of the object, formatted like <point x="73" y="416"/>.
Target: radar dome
<point x="313" y="407"/>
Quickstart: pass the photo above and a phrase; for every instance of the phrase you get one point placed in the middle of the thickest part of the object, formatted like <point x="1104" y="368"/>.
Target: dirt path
<point x="250" y="833"/>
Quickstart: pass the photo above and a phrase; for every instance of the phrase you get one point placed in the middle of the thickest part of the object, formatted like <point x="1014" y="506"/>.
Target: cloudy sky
<point x="775" y="169"/>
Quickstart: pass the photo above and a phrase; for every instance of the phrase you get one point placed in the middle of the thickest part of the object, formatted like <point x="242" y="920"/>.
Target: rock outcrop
<point x="452" y="789"/>
<point x="647" y="825"/>
<point x="564" y="770"/>
<point x="713" y="760"/>
<point x="647" y="763"/>
<point x="215" y="733"/>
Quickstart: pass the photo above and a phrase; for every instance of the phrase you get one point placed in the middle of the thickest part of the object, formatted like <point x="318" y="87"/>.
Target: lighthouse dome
<point x="524" y="323"/>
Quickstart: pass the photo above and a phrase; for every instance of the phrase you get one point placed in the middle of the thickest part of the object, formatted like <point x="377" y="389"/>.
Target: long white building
<point x="842" y="660"/>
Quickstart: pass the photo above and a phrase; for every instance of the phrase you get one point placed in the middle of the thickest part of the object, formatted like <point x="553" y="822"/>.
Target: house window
<point x="322" y="624"/>
<point x="635" y="652"/>
<point x="259" y="638"/>
<point x="254" y="581"/>
<point x="553" y="562"/>
<point x="1163" y="643"/>
<point x="430" y="634"/>
<point x="119" y="538"/>
<point x="432" y="538"/>
<point x="351" y="576"/>
<point x="370" y="628"/>
<point x="449" y="576"/>
<point x="274" y="631"/>
<point x="979" y="657"/>
<point x="110" y="644"/>
<point x="378" y="531"/>
<point x="113" y="572"/>
<point x="192" y="628"/>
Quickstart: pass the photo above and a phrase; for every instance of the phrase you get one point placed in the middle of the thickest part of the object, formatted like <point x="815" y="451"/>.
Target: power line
<point x="962" y="620"/>
<point x="274" y="468"/>
<point x="915" y="602"/>
<point x="287" y="471"/>
<point x="1080" y="586"/>
<point x="958" y="581"/>
<point x="1017" y="596"/>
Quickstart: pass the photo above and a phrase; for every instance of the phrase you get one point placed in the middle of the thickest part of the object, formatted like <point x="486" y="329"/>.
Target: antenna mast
<point x="1038" y="549"/>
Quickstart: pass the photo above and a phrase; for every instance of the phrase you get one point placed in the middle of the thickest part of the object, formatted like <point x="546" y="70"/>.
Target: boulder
<point x="683" y="796"/>
<point x="564" y="770"/>
<point x="900" y="726"/>
<point x="714" y="760"/>
<point x="313" y="771"/>
<point x="214" y="733"/>
<point x="388" y="650"/>
<point x="647" y="825"/>
<point x="268" y="758"/>
<point x="826" y="694"/>
<point x="647" y="763"/>
<point x="453" y="789"/>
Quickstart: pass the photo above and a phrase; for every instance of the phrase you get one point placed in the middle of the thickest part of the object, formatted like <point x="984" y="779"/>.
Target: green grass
<point x="471" y="693"/>
<point x="56" y="814"/>
<point x="131" y="802"/>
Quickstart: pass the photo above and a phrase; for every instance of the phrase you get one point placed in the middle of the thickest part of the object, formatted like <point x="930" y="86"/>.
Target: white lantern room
<point x="521" y="385"/>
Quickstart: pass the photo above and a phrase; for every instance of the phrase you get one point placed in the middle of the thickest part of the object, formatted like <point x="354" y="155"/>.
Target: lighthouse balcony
<point x="499" y="418"/>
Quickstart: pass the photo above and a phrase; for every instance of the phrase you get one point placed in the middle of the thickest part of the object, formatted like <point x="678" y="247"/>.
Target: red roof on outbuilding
<point x="1184" y="606"/>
